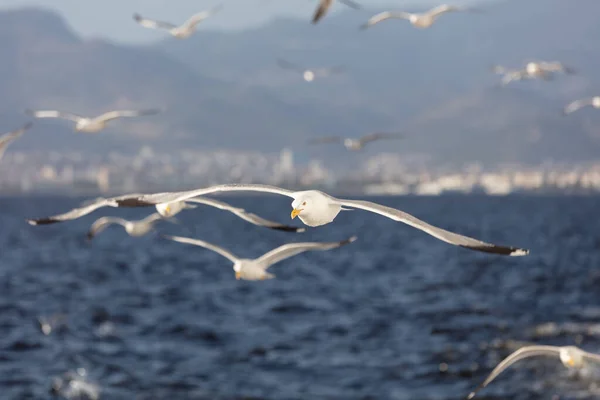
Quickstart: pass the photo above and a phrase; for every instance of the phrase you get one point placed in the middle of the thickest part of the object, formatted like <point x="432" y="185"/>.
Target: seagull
<point x="309" y="75"/>
<point x="52" y="323"/>
<point x="423" y="20"/>
<point x="10" y="137"/>
<point x="570" y="356"/>
<point x="314" y="208"/>
<point x="325" y="5"/>
<point x="532" y="70"/>
<point x="91" y="124"/>
<point x="256" y="269"/>
<point x="356" y="144"/>
<point x="183" y="31"/>
<point x="133" y="228"/>
<point x="577" y="104"/>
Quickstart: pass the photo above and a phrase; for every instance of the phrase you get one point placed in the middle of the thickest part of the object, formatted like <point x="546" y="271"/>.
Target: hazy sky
<point x="113" y="18"/>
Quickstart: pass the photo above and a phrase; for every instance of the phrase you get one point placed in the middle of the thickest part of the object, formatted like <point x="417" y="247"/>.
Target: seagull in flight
<point x="570" y="357"/>
<point x="313" y="207"/>
<point x="325" y="5"/>
<point x="577" y="104"/>
<point x="423" y="20"/>
<point x="182" y="31"/>
<point x="256" y="269"/>
<point x="91" y="124"/>
<point x="356" y="144"/>
<point x="133" y="228"/>
<point x="10" y="137"/>
<point x="309" y="75"/>
<point x="544" y="70"/>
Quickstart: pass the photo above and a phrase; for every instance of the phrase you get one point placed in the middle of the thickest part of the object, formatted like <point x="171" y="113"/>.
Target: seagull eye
<point x="304" y="203"/>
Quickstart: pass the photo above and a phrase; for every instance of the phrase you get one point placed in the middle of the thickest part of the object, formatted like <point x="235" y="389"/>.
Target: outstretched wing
<point x="383" y="16"/>
<point x="102" y="223"/>
<point x="556" y="66"/>
<point x="329" y="139"/>
<point x="199" y="17"/>
<point x="445" y="8"/>
<point x="7" y="138"/>
<point x="206" y="245"/>
<point x="291" y="249"/>
<point x="442" y="234"/>
<point x="53" y="114"/>
<point x="322" y="9"/>
<point x="523" y="352"/>
<point x="577" y="104"/>
<point x="152" y="24"/>
<point x="245" y="215"/>
<point x="379" y="135"/>
<point x="126" y="113"/>
<point x="75" y="213"/>
<point x="288" y="65"/>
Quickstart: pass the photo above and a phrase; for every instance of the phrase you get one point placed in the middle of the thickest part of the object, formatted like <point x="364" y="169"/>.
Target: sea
<point x="396" y="315"/>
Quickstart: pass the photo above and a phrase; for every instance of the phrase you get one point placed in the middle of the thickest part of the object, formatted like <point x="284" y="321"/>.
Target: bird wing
<point x="146" y="200"/>
<point x="383" y="16"/>
<point x="74" y="213"/>
<point x="245" y="215"/>
<point x="53" y="114"/>
<point x="444" y="235"/>
<point x="291" y="249"/>
<point x="556" y="66"/>
<point x="199" y="17"/>
<point x="322" y="9"/>
<point x="7" y="138"/>
<point x="152" y="24"/>
<point x="444" y="8"/>
<point x="202" y="243"/>
<point x="577" y="104"/>
<point x="379" y="135"/>
<point x="329" y="70"/>
<point x="523" y="352"/>
<point x="329" y="139"/>
<point x="125" y="113"/>
<point x="153" y="218"/>
<point x="351" y="4"/>
<point x="288" y="65"/>
<point x="591" y="356"/>
<point x="102" y="223"/>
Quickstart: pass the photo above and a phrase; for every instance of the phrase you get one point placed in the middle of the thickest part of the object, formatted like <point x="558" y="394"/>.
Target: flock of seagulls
<point x="312" y="207"/>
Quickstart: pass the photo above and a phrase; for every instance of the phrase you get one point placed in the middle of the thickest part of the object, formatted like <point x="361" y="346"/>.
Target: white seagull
<point x="544" y="70"/>
<point x="183" y="31"/>
<point x="10" y="137"/>
<point x="309" y="74"/>
<point x="256" y="269"/>
<point x="133" y="228"/>
<point x="570" y="356"/>
<point x="325" y="5"/>
<point x="577" y="104"/>
<point x="356" y="144"/>
<point x="423" y="20"/>
<point x="91" y="124"/>
<point x="313" y="207"/>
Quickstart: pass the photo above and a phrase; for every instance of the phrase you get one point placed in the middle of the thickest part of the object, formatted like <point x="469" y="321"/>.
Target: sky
<point x="112" y="19"/>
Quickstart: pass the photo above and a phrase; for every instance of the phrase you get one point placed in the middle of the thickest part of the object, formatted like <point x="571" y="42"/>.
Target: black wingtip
<point x="27" y="125"/>
<point x="348" y="241"/>
<point x="286" y="228"/>
<point x="501" y="250"/>
<point x="137" y="17"/>
<point x="89" y="236"/>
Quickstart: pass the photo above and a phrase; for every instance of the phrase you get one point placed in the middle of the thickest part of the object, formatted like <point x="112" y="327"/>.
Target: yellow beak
<point x="168" y="209"/>
<point x="238" y="275"/>
<point x="295" y="212"/>
<point x="571" y="362"/>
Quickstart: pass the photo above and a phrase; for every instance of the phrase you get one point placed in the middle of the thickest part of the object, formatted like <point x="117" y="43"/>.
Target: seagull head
<point x="308" y="75"/>
<point x="238" y="271"/>
<point x="314" y="208"/>
<point x="571" y="357"/>
<point x="167" y="210"/>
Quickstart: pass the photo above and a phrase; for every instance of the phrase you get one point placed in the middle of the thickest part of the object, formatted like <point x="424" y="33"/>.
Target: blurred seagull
<point x="423" y="20"/>
<point x="570" y="356"/>
<point x="91" y="124"/>
<point x="532" y="70"/>
<point x="183" y="31"/>
<point x="133" y="228"/>
<point x="312" y="207"/>
<point x="577" y="104"/>
<point x="356" y="144"/>
<point x="309" y="75"/>
<point x="10" y="137"/>
<point x="256" y="269"/>
<point x="325" y="5"/>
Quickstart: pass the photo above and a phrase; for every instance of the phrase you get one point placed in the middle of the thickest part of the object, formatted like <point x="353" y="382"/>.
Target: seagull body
<point x="577" y="104"/>
<point x="256" y="269"/>
<point x="182" y="31"/>
<point x="91" y="124"/>
<point x="314" y="208"/>
<point x="352" y="144"/>
<point x="325" y="5"/>
<point x="10" y="137"/>
<point x="422" y="20"/>
<point x="533" y="70"/>
<point x="133" y="228"/>
<point x="570" y="357"/>
<point x="309" y="75"/>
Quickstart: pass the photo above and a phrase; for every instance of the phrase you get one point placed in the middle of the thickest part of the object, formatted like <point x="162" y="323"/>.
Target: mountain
<point x="225" y="89"/>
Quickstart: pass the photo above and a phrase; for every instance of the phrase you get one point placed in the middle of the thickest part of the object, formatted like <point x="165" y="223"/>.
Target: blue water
<point x="395" y="315"/>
